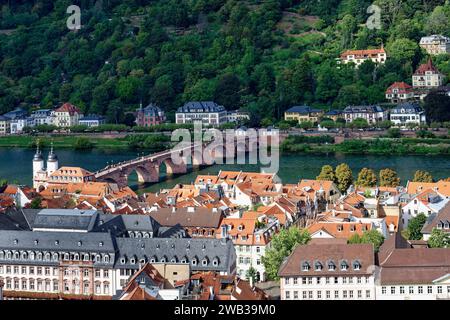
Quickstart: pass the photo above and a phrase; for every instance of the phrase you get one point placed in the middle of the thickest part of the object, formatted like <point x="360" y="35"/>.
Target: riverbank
<point x="145" y="142"/>
<point x="378" y="146"/>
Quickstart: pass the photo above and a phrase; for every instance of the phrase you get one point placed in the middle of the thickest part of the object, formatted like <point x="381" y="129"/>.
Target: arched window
<point x="16" y="255"/>
<point x="106" y="258"/>
<point x="356" y="265"/>
<point x="205" y="262"/>
<point x="318" y="266"/>
<point x="344" y="266"/>
<point x="47" y="256"/>
<point x="86" y="257"/>
<point x="215" y="261"/>
<point x="98" y="258"/>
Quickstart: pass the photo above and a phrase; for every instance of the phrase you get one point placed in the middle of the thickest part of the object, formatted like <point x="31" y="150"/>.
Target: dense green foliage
<point x="281" y="246"/>
<point x="415" y="225"/>
<point x="372" y="236"/>
<point x="439" y="239"/>
<point x="264" y="56"/>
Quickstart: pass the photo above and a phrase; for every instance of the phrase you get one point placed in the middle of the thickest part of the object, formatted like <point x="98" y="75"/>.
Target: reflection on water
<point x="16" y="165"/>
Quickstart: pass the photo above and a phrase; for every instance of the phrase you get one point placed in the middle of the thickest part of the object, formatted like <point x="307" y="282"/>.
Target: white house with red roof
<point x="358" y="57"/>
<point x="67" y="115"/>
<point x="399" y="92"/>
<point x="427" y="76"/>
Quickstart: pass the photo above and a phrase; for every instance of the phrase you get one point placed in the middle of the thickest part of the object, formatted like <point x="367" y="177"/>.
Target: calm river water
<point x="16" y="165"/>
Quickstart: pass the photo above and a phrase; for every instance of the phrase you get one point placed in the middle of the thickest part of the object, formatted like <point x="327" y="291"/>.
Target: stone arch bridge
<point x="148" y="167"/>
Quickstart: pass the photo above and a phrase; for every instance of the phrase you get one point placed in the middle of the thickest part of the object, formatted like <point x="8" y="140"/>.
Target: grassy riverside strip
<point x="378" y="146"/>
<point x="87" y="142"/>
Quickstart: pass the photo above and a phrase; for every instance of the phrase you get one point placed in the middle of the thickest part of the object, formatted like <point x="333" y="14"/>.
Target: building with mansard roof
<point x="76" y="254"/>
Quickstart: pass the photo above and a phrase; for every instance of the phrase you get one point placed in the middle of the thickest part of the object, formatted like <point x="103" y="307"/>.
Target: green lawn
<point x="60" y="141"/>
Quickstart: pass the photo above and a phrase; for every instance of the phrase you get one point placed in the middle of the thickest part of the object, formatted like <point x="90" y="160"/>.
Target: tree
<point x="282" y="245"/>
<point x="344" y="177"/>
<point x="252" y="275"/>
<point x="439" y="239"/>
<point x="422" y="176"/>
<point x="372" y="236"/>
<point x="415" y="225"/>
<point x="394" y="133"/>
<point x="327" y="173"/>
<point x="36" y="203"/>
<point x="366" y="178"/>
<point x="389" y="178"/>
<point x="437" y="107"/>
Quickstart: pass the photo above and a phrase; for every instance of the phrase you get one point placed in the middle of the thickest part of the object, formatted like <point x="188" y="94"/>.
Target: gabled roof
<point x="69" y="108"/>
<point x="426" y="67"/>
<point x="363" y="53"/>
<point x="402" y="87"/>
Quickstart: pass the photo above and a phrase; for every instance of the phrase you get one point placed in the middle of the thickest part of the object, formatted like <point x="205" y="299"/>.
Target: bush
<point x="83" y="143"/>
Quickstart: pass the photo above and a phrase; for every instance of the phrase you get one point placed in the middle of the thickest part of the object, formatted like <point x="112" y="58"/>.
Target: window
<point x="351" y="294"/>
<point x="343" y="266"/>
<point x="392" y="290"/>
<point x="411" y="290"/>
<point x="439" y="289"/>
<point x="344" y="294"/>
<point x="331" y="266"/>
<point x="318" y="266"/>
<point x="367" y="293"/>
<point x="310" y="294"/>
<point x="304" y="293"/>
<point x="295" y="295"/>
<point x="286" y="280"/>
<point x="336" y="294"/>
<point x="319" y="294"/>
<point x="383" y="290"/>
<point x="288" y="295"/>
<point x="402" y="290"/>
<point x="359" y="294"/>
<point x="430" y="289"/>
<point x="356" y="265"/>
<point x="328" y="294"/>
<point x="305" y="266"/>
<point x="98" y="288"/>
<point x="295" y="280"/>
<point x="97" y="273"/>
<point x="420" y="288"/>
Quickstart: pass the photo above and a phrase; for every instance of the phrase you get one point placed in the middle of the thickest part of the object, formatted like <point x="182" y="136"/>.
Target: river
<point x="16" y="165"/>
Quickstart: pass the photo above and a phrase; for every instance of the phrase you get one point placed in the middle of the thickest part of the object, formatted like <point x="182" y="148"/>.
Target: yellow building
<point x="4" y="125"/>
<point x="303" y="114"/>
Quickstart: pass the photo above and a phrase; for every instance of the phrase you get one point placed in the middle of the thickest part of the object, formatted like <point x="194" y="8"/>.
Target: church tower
<point x="38" y="161"/>
<point x="52" y="162"/>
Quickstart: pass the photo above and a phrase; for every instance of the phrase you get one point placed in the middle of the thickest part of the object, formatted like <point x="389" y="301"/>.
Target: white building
<point x="329" y="271"/>
<point x="372" y="114"/>
<point x="407" y="113"/>
<point x="435" y="44"/>
<point x="41" y="117"/>
<point x="66" y="116"/>
<point x="206" y="112"/>
<point x="360" y="56"/>
<point x="427" y="76"/>
<point x="427" y="202"/>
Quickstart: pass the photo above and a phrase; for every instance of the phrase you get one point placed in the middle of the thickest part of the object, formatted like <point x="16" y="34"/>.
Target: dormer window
<point x="344" y="266"/>
<point x="215" y="262"/>
<point x="132" y="260"/>
<point x="56" y="243"/>
<point x="331" y="266"/>
<point x="194" y="262"/>
<point x="446" y="225"/>
<point x="100" y="244"/>
<point x="80" y="243"/>
<point x="305" y="266"/>
<point x="439" y="225"/>
<point x="340" y="228"/>
<point x="205" y="262"/>
<point x="356" y="265"/>
<point x="122" y="260"/>
<point x="318" y="266"/>
<point x="106" y="259"/>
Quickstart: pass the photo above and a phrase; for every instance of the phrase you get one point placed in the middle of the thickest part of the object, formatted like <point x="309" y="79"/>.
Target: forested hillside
<point x="261" y="55"/>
